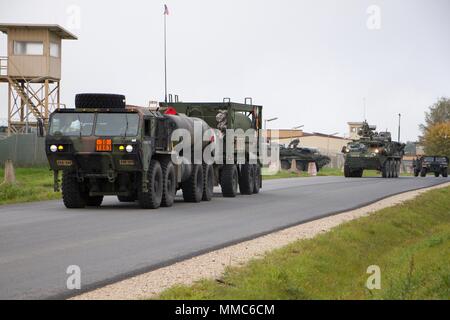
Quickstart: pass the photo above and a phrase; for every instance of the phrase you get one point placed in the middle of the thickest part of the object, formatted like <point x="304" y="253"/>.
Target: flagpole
<point x="165" y="59"/>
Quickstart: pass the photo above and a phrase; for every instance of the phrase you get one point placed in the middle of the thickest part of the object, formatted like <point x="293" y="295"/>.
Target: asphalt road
<point x="38" y="241"/>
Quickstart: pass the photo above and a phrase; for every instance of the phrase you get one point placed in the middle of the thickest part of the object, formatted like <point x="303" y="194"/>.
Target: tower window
<point x="28" y="48"/>
<point x="54" y="50"/>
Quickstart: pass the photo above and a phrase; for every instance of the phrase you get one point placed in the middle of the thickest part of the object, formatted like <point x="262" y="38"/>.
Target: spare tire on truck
<point x="99" y="101"/>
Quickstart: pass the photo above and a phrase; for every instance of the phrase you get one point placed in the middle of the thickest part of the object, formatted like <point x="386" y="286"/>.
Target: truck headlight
<point x="377" y="151"/>
<point x="129" y="148"/>
<point x="53" y="148"/>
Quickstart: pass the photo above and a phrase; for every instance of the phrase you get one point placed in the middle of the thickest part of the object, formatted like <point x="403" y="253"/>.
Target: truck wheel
<point x="436" y="174"/>
<point x="397" y="168"/>
<point x="246" y="179"/>
<point x="347" y="172"/>
<point x="94" y="201"/>
<point x="445" y="173"/>
<point x="126" y="198"/>
<point x="384" y="171"/>
<point x="423" y="172"/>
<point x="389" y="169"/>
<point x="229" y="181"/>
<point x="257" y="171"/>
<point x="152" y="198"/>
<point x="416" y="173"/>
<point x="72" y="195"/>
<point x="208" y="182"/>
<point x="169" y="183"/>
<point x="359" y="173"/>
<point x="193" y="187"/>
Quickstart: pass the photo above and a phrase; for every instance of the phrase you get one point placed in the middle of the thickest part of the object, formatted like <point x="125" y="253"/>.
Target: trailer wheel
<point x="94" y="201"/>
<point x="257" y="171"/>
<point x="126" y="198"/>
<point x="229" y="181"/>
<point x="208" y="182"/>
<point x="169" y="183"/>
<point x="423" y="172"/>
<point x="246" y="179"/>
<point x="152" y="198"/>
<point x="193" y="187"/>
<point x="73" y="196"/>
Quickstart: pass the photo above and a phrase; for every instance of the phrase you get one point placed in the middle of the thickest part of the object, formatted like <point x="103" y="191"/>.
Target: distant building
<point x="353" y="128"/>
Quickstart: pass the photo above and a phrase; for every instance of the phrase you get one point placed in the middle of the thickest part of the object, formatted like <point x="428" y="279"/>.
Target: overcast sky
<point x="307" y="62"/>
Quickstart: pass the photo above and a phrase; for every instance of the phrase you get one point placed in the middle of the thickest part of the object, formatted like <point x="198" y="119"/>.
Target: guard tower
<point x="32" y="71"/>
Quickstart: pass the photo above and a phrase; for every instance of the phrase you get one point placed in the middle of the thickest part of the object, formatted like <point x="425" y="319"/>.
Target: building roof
<point x="286" y="133"/>
<point x="355" y="123"/>
<point x="323" y="135"/>
<point x="58" y="30"/>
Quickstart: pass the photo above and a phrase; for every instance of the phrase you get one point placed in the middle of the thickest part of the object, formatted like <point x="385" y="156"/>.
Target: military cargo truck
<point x="105" y="147"/>
<point x="223" y="116"/>
<point x="373" y="151"/>
<point x="431" y="164"/>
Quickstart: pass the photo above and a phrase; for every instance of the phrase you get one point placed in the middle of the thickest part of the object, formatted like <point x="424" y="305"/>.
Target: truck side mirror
<point x="40" y="128"/>
<point x="344" y="149"/>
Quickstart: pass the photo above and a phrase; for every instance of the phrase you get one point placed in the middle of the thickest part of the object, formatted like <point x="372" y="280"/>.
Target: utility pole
<point x="166" y="13"/>
<point x="399" y="122"/>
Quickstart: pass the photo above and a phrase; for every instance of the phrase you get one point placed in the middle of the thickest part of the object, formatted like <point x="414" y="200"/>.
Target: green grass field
<point x="33" y="184"/>
<point x="409" y="242"/>
<point x="322" y="173"/>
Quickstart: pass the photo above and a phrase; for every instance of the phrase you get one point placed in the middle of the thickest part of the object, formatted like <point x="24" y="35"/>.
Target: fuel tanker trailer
<point x="105" y="147"/>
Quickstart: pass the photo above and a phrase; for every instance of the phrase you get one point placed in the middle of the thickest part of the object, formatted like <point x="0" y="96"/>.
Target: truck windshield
<point x="117" y="124"/>
<point x="72" y="124"/>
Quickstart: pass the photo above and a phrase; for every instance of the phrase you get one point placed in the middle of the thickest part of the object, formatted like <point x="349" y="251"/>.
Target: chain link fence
<point x="25" y="150"/>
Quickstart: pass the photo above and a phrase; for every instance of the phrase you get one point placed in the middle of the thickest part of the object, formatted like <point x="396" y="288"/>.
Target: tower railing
<point x="3" y="66"/>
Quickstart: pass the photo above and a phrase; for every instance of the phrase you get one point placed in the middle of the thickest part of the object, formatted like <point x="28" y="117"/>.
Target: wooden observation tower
<point x="32" y="70"/>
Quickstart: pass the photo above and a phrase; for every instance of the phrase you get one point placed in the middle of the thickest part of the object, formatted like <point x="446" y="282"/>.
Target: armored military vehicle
<point x="373" y="151"/>
<point x="434" y="164"/>
<point x="302" y="156"/>
<point x="105" y="147"/>
<point x="227" y="117"/>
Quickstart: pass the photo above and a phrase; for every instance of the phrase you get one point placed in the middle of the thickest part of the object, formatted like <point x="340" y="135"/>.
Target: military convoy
<point x="373" y="151"/>
<point x="302" y="156"/>
<point x="105" y="147"/>
<point x="431" y="164"/>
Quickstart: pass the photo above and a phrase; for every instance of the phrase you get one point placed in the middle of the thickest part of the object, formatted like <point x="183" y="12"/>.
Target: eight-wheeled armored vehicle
<point x="431" y="164"/>
<point x="302" y="156"/>
<point x="375" y="151"/>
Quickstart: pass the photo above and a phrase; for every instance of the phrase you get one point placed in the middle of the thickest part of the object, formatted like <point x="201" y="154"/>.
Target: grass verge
<point x="409" y="242"/>
<point x="33" y="184"/>
<point x="323" y="172"/>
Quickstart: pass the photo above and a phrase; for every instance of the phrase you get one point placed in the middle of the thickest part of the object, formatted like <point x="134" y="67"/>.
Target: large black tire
<point x="126" y="198"/>
<point x="347" y="172"/>
<point x="247" y="179"/>
<point x="169" y="183"/>
<point x="193" y="187"/>
<point x="445" y="173"/>
<point x="99" y="100"/>
<point x="72" y="194"/>
<point x="358" y="173"/>
<point x="208" y="182"/>
<point x="95" y="201"/>
<point x="423" y="172"/>
<point x="258" y="178"/>
<point x="436" y="174"/>
<point x="416" y="173"/>
<point x="153" y="197"/>
<point x="389" y="168"/>
<point x="229" y="180"/>
<point x="384" y="170"/>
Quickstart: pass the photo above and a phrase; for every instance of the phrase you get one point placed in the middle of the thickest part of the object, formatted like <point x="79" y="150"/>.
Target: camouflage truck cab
<point x="105" y="147"/>
<point x="373" y="151"/>
<point x="431" y="164"/>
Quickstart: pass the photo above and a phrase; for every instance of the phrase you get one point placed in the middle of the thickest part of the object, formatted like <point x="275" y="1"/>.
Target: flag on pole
<point x="166" y="10"/>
